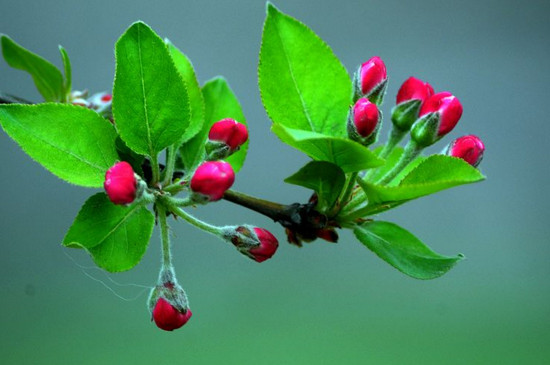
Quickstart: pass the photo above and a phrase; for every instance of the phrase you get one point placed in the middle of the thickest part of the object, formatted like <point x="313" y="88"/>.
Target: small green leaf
<point x="221" y="103"/>
<point x="430" y="175"/>
<point x="325" y="178"/>
<point x="72" y="142"/>
<point x="302" y="83"/>
<point x="67" y="84"/>
<point x="150" y="100"/>
<point x="47" y="77"/>
<point x="115" y="236"/>
<point x="350" y="156"/>
<point x="196" y="102"/>
<point x="402" y="250"/>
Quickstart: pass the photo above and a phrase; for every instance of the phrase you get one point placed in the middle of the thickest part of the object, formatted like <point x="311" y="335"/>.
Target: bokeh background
<point x="324" y="303"/>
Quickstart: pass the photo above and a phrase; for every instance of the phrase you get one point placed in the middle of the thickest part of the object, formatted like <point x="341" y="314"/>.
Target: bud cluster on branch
<point x="161" y="144"/>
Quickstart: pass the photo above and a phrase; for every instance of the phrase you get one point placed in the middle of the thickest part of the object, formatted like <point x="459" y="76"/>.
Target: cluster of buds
<point x="256" y="243"/>
<point x="213" y="177"/>
<point x="100" y="102"/>
<point x="168" y="302"/>
<point x="427" y="115"/>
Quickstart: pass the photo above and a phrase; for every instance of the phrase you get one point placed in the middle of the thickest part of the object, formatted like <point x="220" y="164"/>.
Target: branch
<point x="11" y="99"/>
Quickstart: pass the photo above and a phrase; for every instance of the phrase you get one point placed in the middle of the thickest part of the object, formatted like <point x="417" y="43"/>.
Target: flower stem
<point x="170" y="164"/>
<point x="412" y="150"/>
<point x="349" y="188"/>
<point x="395" y="136"/>
<point x="164" y="237"/>
<point x="215" y="230"/>
<point x="155" y="169"/>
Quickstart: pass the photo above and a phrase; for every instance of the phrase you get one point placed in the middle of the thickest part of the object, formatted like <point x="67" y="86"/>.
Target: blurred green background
<point x="324" y="303"/>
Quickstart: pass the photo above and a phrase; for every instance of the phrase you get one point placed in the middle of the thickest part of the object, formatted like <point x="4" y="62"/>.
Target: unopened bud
<point x="225" y="137"/>
<point x="470" y="148"/>
<point x="168" y="302"/>
<point x="257" y="243"/>
<point x="121" y="183"/>
<point x="211" y="180"/>
<point x="364" y="122"/>
<point x="410" y="97"/>
<point x="439" y="114"/>
<point x="370" y="80"/>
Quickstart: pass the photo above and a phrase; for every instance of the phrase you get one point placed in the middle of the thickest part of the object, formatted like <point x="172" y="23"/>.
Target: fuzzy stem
<point x="164" y="236"/>
<point x="170" y="164"/>
<point x="155" y="170"/>
<point x="411" y="151"/>
<point x="395" y="136"/>
<point x="216" y="231"/>
<point x="349" y="188"/>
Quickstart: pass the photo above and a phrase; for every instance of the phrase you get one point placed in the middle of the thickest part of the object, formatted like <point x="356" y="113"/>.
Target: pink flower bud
<point x="212" y="179"/>
<point x="447" y="106"/>
<point x="257" y="243"/>
<point x="268" y="245"/>
<point x="372" y="73"/>
<point x="230" y="132"/>
<point x="120" y="183"/>
<point x="469" y="148"/>
<point x="414" y="89"/>
<point x="365" y="117"/>
<point x="167" y="317"/>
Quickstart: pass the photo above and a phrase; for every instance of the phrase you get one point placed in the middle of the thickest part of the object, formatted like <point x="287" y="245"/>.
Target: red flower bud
<point x="372" y="73"/>
<point x="257" y="243"/>
<point x="365" y="117"/>
<point x="414" y="89"/>
<point x="230" y="132"/>
<point x="120" y="183"/>
<point x="447" y="106"/>
<point x="268" y="245"/>
<point x="469" y="148"/>
<point x="212" y="179"/>
<point x="167" y="317"/>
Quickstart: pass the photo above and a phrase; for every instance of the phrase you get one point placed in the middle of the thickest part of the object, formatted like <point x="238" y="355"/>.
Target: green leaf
<point x="302" y="83"/>
<point x="221" y="103"/>
<point x="67" y="85"/>
<point x="196" y="102"/>
<point x="115" y="236"/>
<point x="150" y="100"/>
<point x="325" y="178"/>
<point x="429" y="175"/>
<point x="350" y="156"/>
<point x="402" y="250"/>
<point x="74" y="143"/>
<point x="47" y="77"/>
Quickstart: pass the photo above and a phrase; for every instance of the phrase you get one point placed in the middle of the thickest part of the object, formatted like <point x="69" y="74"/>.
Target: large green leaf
<point x="72" y="142"/>
<point x="325" y="178"/>
<point x="402" y="250"/>
<point x="221" y="103"/>
<point x="47" y="77"/>
<point x="302" y="83"/>
<point x="350" y="156"/>
<point x="150" y="100"/>
<point x="196" y="102"/>
<point x="115" y="236"/>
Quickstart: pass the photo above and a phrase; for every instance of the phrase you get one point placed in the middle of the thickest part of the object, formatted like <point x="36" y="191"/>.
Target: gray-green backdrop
<point x="324" y="303"/>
